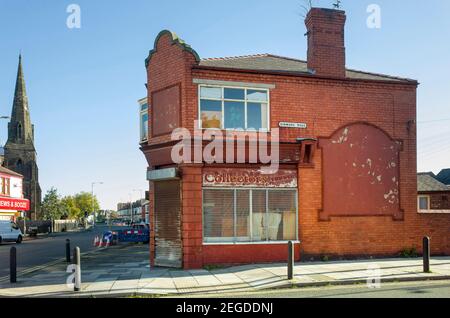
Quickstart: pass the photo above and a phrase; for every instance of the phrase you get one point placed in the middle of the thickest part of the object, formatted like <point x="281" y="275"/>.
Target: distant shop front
<point x="12" y="203"/>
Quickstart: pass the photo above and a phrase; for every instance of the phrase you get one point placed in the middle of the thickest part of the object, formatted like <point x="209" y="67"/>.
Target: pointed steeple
<point x="20" y="129"/>
<point x="20" y="153"/>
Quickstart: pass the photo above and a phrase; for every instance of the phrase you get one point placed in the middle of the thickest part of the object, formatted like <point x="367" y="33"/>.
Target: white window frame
<point x="141" y="113"/>
<point x="235" y="241"/>
<point x="223" y="99"/>
<point x="428" y="197"/>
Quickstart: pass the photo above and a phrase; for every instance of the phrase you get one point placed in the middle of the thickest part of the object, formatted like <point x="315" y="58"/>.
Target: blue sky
<point x="83" y="84"/>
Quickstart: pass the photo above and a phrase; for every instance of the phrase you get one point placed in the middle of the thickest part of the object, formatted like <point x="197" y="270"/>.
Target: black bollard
<point x="13" y="265"/>
<point x="426" y="254"/>
<point x="77" y="263"/>
<point x="291" y="256"/>
<point x="68" y="251"/>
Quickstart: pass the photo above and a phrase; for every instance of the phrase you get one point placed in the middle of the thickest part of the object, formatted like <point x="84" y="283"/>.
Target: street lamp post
<point x="92" y="199"/>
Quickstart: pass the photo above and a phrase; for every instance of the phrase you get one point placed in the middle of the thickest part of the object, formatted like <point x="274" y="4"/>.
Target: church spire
<point x="20" y="129"/>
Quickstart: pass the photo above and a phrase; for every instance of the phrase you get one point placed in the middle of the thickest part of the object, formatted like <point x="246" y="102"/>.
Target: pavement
<point x="124" y="270"/>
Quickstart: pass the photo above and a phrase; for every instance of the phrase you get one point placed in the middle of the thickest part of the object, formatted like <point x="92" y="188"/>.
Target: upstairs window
<point x="143" y="118"/>
<point x="234" y="108"/>
<point x="5" y="186"/>
<point x="424" y="202"/>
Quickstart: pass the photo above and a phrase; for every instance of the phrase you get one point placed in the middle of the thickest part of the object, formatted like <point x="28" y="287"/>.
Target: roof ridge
<point x="234" y="57"/>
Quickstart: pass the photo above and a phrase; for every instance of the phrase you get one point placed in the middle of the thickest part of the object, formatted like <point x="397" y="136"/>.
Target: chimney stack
<point x="326" y="44"/>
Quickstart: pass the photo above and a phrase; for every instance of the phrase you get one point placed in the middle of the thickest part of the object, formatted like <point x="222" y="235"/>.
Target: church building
<point x="20" y="153"/>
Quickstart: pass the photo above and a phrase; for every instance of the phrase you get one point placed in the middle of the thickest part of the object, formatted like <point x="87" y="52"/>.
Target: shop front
<point x="213" y="215"/>
<point x="248" y="216"/>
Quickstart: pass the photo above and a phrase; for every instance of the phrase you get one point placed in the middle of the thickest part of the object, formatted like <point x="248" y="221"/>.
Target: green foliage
<point x="85" y="202"/>
<point x="51" y="206"/>
<point x="409" y="253"/>
<point x="69" y="207"/>
<point x="73" y="211"/>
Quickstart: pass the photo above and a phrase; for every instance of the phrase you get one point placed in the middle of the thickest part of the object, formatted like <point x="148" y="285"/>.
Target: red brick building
<point x="346" y="184"/>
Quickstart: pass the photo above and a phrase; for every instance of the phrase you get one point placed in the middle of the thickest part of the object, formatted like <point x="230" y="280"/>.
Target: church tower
<point x="20" y="153"/>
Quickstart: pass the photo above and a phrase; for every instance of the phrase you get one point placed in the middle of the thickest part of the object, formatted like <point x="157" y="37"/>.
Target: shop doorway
<point x="168" y="244"/>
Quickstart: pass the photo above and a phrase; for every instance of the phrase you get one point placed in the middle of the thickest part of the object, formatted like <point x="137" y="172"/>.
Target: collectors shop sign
<point x="252" y="178"/>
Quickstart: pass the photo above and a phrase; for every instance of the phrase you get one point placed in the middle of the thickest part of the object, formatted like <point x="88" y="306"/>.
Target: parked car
<point x="10" y="232"/>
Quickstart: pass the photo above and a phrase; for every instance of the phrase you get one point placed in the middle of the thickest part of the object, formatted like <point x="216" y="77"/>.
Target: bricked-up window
<point x="234" y="108"/>
<point x="249" y="215"/>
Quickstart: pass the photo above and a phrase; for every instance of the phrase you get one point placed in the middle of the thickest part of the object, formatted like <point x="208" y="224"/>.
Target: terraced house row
<point x="346" y="184"/>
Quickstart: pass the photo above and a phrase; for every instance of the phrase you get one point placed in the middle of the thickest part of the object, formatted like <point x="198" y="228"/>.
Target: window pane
<point x="144" y="126"/>
<point x="257" y="96"/>
<point x="211" y="92"/>
<point x="259" y="215"/>
<point x="281" y="218"/>
<point x="242" y="215"/>
<point x="234" y="115"/>
<point x="211" y="113"/>
<point x="423" y="203"/>
<point x="256" y="116"/>
<point x="218" y="215"/>
<point x="234" y="93"/>
<point x="144" y="107"/>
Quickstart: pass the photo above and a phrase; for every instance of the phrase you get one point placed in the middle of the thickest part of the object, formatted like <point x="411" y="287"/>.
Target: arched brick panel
<point x="360" y="173"/>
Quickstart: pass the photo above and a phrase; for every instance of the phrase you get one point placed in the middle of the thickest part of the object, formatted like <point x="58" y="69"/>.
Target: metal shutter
<point x="168" y="244"/>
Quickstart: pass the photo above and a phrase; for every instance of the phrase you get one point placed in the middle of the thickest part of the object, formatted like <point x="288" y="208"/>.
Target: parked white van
<point x="10" y="232"/>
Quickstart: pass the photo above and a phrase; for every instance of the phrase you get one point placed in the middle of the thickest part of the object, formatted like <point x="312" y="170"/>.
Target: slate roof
<point x="444" y="176"/>
<point x="275" y="63"/>
<point x="10" y="172"/>
<point x="427" y="182"/>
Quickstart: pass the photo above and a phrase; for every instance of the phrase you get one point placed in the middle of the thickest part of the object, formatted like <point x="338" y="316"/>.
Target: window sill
<point x="253" y="243"/>
<point x="235" y="130"/>
<point x="434" y="211"/>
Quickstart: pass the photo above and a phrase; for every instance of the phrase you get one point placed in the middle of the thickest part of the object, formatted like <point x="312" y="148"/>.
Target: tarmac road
<point x="46" y="249"/>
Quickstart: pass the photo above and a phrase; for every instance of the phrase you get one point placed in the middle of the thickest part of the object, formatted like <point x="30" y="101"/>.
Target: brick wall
<point x="325" y="105"/>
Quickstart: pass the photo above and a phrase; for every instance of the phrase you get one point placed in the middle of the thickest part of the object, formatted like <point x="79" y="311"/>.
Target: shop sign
<point x="14" y="204"/>
<point x="252" y="178"/>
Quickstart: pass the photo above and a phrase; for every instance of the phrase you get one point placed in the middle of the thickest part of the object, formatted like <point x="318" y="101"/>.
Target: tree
<point x="73" y="212"/>
<point x="85" y="202"/>
<point x="51" y="205"/>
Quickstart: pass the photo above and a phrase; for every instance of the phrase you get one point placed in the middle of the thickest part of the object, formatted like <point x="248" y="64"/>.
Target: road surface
<point x="44" y="250"/>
